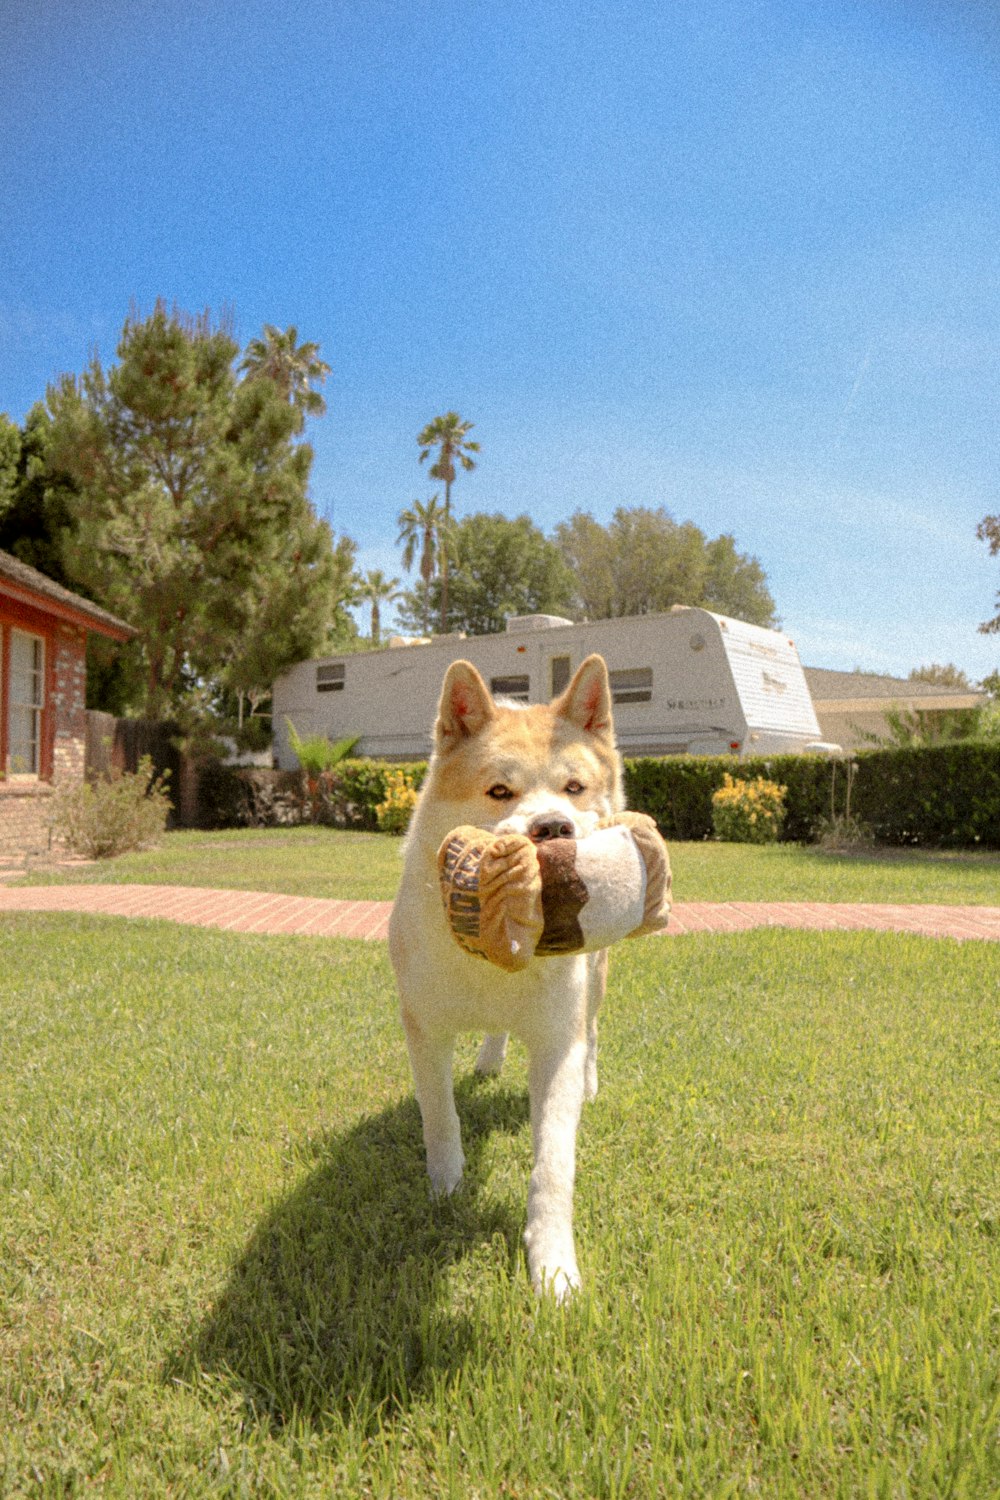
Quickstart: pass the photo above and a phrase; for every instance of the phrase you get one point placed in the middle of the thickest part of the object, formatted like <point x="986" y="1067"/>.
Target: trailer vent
<point x="632" y="685"/>
<point x="515" y="687"/>
<point x="330" y="679"/>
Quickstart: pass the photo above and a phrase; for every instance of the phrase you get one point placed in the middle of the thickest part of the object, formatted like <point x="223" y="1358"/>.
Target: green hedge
<point x="943" y="795"/>
<point x="947" y="795"/>
<point x="677" y="791"/>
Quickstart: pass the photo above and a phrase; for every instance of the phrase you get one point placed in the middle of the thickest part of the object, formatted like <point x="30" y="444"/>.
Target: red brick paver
<point x="258" y="911"/>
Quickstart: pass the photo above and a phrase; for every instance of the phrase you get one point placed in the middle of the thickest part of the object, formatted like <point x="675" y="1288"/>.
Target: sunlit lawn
<point x="366" y="866"/>
<point x="221" y="1272"/>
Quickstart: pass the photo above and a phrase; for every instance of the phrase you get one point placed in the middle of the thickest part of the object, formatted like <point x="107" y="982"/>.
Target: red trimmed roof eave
<point x="115" y="630"/>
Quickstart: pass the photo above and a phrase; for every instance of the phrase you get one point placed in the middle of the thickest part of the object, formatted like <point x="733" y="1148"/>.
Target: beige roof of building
<point x="870" y="690"/>
<point x="24" y="580"/>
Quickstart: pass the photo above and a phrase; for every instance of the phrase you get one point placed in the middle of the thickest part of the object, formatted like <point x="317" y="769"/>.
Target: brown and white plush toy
<point x="510" y="900"/>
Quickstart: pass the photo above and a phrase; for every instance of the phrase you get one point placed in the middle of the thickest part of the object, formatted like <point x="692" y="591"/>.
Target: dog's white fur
<point x="541" y="762"/>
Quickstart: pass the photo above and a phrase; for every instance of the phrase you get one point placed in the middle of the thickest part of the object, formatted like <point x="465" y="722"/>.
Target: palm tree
<point x="292" y="366"/>
<point x="449" y="435"/>
<point x="375" y="589"/>
<point x="425" y="528"/>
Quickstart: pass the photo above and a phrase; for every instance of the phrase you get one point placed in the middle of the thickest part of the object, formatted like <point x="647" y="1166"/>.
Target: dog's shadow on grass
<point x="336" y="1306"/>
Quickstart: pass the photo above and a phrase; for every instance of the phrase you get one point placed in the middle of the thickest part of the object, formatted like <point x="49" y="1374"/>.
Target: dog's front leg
<point x="556" y="1083"/>
<point x="430" y="1059"/>
<point x="492" y="1054"/>
<point x="597" y="983"/>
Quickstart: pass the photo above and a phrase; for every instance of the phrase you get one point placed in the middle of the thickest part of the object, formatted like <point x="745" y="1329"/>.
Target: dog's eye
<point x="499" y="792"/>
<point x="574" y="788"/>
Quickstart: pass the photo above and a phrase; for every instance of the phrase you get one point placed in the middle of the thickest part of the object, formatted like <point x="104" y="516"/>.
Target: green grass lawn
<point x="366" y="866"/>
<point x="221" y="1273"/>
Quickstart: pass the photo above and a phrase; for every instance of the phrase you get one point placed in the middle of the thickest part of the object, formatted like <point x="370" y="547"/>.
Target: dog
<point x="546" y="771"/>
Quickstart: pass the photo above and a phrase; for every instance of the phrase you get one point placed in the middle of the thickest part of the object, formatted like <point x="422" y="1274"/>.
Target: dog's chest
<point x="457" y="991"/>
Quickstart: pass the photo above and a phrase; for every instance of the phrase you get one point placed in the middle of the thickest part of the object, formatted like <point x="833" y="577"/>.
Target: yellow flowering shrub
<point x="748" y="812"/>
<point x="393" y="814"/>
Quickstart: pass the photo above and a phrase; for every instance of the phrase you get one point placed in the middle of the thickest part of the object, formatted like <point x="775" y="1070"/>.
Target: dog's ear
<point x="465" y="708"/>
<point x="587" y="700"/>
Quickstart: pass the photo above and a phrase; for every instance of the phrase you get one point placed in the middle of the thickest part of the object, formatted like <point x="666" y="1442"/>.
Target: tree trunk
<point x="444" y="561"/>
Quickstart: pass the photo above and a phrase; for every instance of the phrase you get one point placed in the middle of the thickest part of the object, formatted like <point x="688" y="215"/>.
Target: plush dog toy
<point x="509" y="900"/>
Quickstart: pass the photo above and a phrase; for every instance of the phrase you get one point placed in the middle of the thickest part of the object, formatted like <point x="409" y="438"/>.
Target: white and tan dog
<point x="545" y="771"/>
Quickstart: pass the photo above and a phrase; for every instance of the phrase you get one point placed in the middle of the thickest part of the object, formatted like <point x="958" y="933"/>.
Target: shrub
<point x="843" y="835"/>
<point x="318" y="758"/>
<point x="394" y="812"/>
<point x="748" y="812"/>
<point x="99" y="819"/>
<point x="315" y="753"/>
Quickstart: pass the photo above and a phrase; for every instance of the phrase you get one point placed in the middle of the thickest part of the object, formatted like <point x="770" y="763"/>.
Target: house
<point x="43" y="683"/>
<point x="685" y="682"/>
<point x="851" y="706"/>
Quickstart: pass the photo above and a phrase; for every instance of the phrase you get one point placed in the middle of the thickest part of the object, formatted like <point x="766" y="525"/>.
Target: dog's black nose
<point x="549" y="826"/>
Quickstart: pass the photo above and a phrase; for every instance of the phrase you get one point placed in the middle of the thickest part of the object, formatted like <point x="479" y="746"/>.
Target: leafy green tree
<point x="37" y="520"/>
<point x="192" y="518"/>
<point x="988" y="531"/>
<point x="500" y="567"/>
<point x="923" y="726"/>
<point x="450" y="436"/>
<point x="933" y="726"/>
<point x="293" y="367"/>
<point x="736" y="584"/>
<point x="288" y="617"/>
<point x="946" y="676"/>
<point x="988" y="728"/>
<point x="589" y="549"/>
<point x="425" y="528"/>
<point x="36" y="504"/>
<point x="657" y="561"/>
<point x="10" y="452"/>
<point x="644" y="561"/>
<point x="375" y="589"/>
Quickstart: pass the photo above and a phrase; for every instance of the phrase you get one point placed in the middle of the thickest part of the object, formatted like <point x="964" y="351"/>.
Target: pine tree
<point x="192" y="515"/>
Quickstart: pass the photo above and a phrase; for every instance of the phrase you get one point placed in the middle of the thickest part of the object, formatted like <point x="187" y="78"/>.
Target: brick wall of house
<point x="25" y="812"/>
<point x="26" y="806"/>
<point x="69" y="703"/>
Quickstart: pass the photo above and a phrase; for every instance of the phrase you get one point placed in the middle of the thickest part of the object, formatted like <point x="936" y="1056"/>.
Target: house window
<point x="632" y="685"/>
<point x="560" y="674"/>
<point x="330" y="678"/>
<point x="515" y="687"/>
<point x="25" y="703"/>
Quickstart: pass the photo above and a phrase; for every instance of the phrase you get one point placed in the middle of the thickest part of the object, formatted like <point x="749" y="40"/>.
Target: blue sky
<point x="740" y="258"/>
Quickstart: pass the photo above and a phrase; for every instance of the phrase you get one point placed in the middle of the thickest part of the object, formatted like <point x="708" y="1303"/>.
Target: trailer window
<point x="632" y="685"/>
<point x="330" y="679"/>
<point x="560" y="674"/>
<point x="515" y="687"/>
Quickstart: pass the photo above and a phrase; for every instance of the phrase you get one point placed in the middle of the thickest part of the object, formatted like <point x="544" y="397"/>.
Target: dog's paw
<point x="445" y="1176"/>
<point x="552" y="1263"/>
<point x="560" y="1284"/>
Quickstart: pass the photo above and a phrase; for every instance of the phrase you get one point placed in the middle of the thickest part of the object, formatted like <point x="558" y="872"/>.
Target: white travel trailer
<point x="687" y="682"/>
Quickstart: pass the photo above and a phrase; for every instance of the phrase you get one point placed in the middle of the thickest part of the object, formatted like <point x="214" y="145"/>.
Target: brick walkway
<point x="255" y="911"/>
